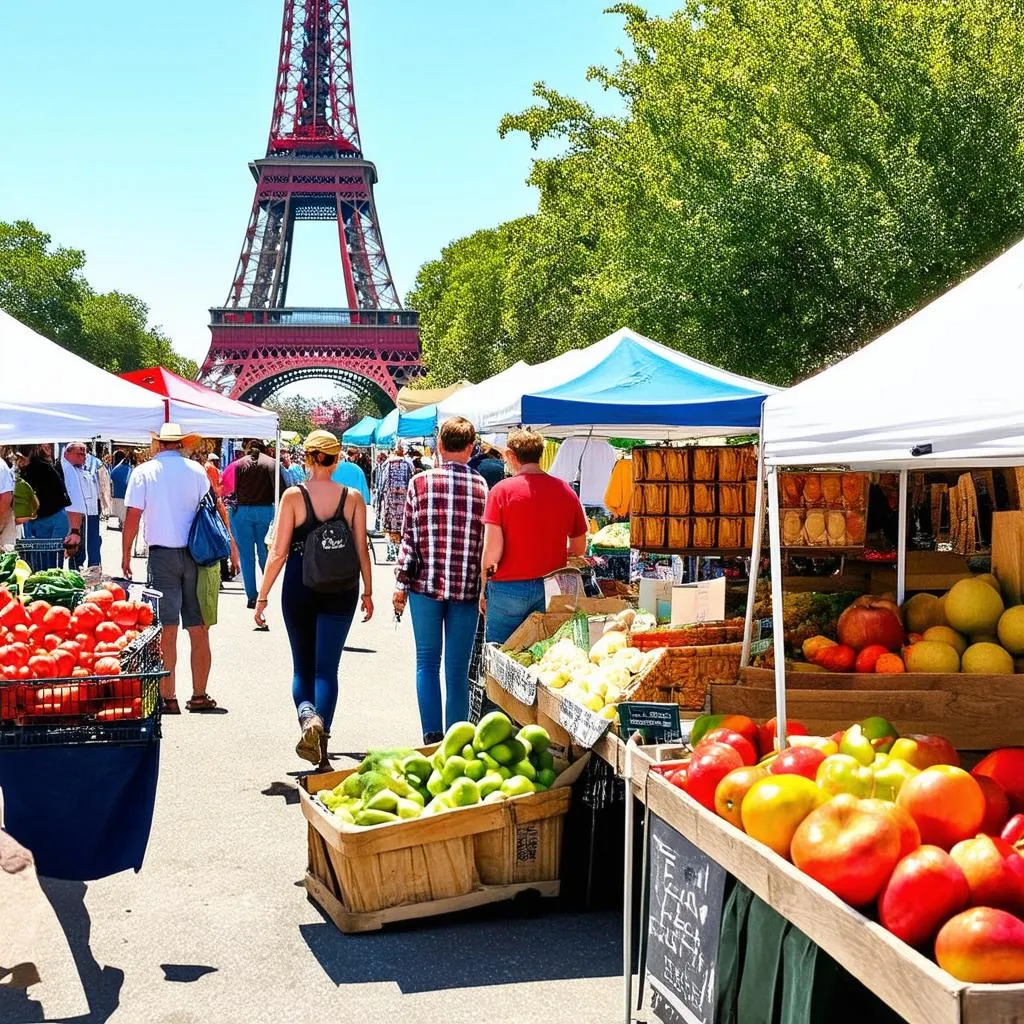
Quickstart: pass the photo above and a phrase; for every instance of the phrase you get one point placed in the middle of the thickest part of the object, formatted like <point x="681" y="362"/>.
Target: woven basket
<point x="683" y="676"/>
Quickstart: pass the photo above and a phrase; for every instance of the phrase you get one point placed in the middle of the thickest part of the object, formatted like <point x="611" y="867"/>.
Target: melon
<point x="973" y="607"/>
<point x="922" y="612"/>
<point x="992" y="581"/>
<point x="1011" y="629"/>
<point x="987" y="660"/>
<point x="931" y="656"/>
<point x="945" y="635"/>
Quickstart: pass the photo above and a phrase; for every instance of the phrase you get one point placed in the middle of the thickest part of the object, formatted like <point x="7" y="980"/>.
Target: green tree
<point x="44" y="286"/>
<point x="788" y="178"/>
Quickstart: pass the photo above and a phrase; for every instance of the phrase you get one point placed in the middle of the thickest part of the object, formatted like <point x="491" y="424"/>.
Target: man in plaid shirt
<point x="438" y="574"/>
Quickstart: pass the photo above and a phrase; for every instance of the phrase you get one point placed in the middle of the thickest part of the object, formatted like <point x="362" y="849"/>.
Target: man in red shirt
<point x="532" y="524"/>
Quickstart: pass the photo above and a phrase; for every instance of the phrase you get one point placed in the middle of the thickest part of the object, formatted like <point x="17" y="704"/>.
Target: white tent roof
<point x="947" y="383"/>
<point x="50" y="394"/>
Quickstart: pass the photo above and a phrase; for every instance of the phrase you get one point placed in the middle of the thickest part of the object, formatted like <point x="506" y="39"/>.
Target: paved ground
<point x="216" y="926"/>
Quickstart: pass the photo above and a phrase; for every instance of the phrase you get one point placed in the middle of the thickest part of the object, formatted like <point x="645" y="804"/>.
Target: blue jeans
<point x="317" y="626"/>
<point x="249" y="524"/>
<point x="89" y="552"/>
<point x="53" y="527"/>
<point x="508" y="605"/>
<point x="451" y="625"/>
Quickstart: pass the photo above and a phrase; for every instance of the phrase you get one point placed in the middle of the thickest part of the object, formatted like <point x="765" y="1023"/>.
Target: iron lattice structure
<point x="314" y="169"/>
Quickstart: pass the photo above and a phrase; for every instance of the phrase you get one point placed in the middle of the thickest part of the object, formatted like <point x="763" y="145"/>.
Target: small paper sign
<point x="656" y="722"/>
<point x="698" y="602"/>
<point x="582" y="724"/>
<point x="512" y="677"/>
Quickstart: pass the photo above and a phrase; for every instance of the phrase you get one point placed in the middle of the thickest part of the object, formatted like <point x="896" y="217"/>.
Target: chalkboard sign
<point x="657" y="723"/>
<point x="686" y="892"/>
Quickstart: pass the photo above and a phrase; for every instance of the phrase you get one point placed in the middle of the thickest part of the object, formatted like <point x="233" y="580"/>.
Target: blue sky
<point x="128" y="128"/>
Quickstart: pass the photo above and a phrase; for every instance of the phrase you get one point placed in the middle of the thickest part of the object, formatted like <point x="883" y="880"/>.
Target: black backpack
<point x="330" y="561"/>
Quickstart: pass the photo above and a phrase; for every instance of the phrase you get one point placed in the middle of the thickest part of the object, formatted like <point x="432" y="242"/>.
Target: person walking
<point x="52" y="521"/>
<point x="348" y="474"/>
<point x="81" y="478"/>
<point x="167" y="490"/>
<point x="317" y="622"/>
<point x="253" y="512"/>
<point x="532" y="524"/>
<point x="438" y="574"/>
<point x="8" y="529"/>
<point x="395" y="474"/>
<point x="119" y="475"/>
<point x="490" y="465"/>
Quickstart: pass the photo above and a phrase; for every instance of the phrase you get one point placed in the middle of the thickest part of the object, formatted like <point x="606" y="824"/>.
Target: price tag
<point x="583" y="725"/>
<point x="656" y="722"/>
<point x="513" y="678"/>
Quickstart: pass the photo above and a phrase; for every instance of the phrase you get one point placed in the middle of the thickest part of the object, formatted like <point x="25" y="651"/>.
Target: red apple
<point x="798" y="761"/>
<point x="994" y="871"/>
<point x="850" y="849"/>
<point x="869" y="621"/>
<point x="982" y="946"/>
<point x="729" y="793"/>
<point x="925" y="751"/>
<point x="910" y="835"/>
<point x="1006" y="766"/>
<point x="733" y="739"/>
<point x="926" y="889"/>
<point x="768" y="734"/>
<point x="997" y="806"/>
<point x="1013" y="832"/>
<point x="708" y="767"/>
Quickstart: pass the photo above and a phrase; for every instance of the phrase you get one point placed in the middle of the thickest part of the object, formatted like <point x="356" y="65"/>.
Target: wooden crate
<point x="364" y="878"/>
<point x="975" y="712"/>
<point x="914" y="986"/>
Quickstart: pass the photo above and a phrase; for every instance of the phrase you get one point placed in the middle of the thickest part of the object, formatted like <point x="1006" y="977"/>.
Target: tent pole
<point x="277" y="475"/>
<point x="901" y="540"/>
<point x="755" y="554"/>
<point x="778" y="625"/>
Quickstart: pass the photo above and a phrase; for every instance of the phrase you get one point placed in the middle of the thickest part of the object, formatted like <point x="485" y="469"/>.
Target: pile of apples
<point x="891" y="824"/>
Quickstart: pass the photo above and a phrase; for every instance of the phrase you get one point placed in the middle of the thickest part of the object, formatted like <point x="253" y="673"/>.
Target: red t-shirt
<point x="537" y="514"/>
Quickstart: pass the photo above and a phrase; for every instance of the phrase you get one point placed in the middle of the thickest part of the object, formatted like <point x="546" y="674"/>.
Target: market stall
<point x="398" y="426"/>
<point x="361" y="434"/>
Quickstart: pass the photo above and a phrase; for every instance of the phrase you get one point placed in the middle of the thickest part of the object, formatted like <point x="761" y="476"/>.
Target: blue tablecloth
<point x="84" y="811"/>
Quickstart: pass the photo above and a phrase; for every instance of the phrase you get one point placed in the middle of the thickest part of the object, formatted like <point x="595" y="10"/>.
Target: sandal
<point x="171" y="706"/>
<point x="201" y="702"/>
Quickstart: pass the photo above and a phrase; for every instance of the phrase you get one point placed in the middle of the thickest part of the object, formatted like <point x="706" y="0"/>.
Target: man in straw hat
<point x="168" y="489"/>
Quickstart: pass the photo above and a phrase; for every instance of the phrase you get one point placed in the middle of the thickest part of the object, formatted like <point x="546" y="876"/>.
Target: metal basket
<point x="41" y="553"/>
<point x="65" y="734"/>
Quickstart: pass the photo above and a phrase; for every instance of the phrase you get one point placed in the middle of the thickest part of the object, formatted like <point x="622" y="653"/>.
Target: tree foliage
<point x="44" y="286"/>
<point x="788" y="179"/>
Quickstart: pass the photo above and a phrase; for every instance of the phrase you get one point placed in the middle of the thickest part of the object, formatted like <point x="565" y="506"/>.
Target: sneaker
<point x="309" y="745"/>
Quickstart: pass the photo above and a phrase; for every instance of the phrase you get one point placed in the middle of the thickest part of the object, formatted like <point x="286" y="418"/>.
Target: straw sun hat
<point x="171" y="433"/>
<point x="322" y="441"/>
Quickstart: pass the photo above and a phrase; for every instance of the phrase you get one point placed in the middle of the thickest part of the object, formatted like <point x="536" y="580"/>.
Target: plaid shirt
<point x="443" y="539"/>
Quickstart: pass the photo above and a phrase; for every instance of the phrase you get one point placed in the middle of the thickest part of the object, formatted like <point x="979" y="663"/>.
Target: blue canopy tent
<point x="399" y="426"/>
<point x="361" y="434"/>
<point x="638" y="388"/>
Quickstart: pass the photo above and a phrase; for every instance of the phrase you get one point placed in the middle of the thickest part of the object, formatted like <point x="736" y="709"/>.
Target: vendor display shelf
<point x="364" y="878"/>
<point x="914" y="986"/>
<point x="976" y="712"/>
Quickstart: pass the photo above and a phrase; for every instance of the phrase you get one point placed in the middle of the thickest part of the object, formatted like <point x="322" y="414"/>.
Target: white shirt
<point x="592" y="460"/>
<point x="74" y="481"/>
<point x="168" y="490"/>
<point x="6" y="478"/>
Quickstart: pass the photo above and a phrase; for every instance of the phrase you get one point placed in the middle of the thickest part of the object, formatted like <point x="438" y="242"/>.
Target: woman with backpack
<point x="321" y="544"/>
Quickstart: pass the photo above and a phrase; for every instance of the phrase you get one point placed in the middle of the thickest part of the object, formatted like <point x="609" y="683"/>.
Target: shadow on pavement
<point x="102" y="984"/>
<point x="185" y="972"/>
<point x="520" y="942"/>
<point x="360" y="650"/>
<point x="285" y="789"/>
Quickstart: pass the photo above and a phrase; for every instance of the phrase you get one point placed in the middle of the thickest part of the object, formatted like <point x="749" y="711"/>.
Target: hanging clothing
<point x="618" y="499"/>
<point x="395" y="476"/>
<point x="591" y="461"/>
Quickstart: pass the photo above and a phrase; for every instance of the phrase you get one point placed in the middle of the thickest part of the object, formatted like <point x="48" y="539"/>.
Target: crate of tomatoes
<point x="97" y="662"/>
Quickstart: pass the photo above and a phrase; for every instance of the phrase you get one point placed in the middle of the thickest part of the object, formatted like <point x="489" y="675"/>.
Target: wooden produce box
<point x="914" y="986"/>
<point x="926" y="570"/>
<point x="974" y="712"/>
<point x="366" y="877"/>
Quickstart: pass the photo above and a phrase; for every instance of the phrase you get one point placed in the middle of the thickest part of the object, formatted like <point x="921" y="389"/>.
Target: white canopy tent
<point x="50" y="394"/>
<point x="942" y="389"/>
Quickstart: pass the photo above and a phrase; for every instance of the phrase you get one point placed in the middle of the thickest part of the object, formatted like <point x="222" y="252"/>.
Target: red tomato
<point x="42" y="666"/>
<point x="87" y="640"/>
<point x="18" y="654"/>
<point x="145" y="614"/>
<point x="37" y="612"/>
<point x="34" y="633"/>
<point x="65" y="662"/>
<point x="73" y="646"/>
<point x="6" y="597"/>
<point x="57" y="620"/>
<point x="101" y="649"/>
<point x="24" y="672"/>
<point x="107" y="632"/>
<point x="1006" y="766"/>
<point x="86" y="659"/>
<point x="13" y="615"/>
<point x="733" y="739"/>
<point x="19" y="634"/>
<point x="107" y="667"/>
<point x="79" y="673"/>
<point x="50" y="642"/>
<point x="87" y="617"/>
<point x="124" y="613"/>
<point x="101" y="598"/>
<point x="9" y="671"/>
<point x="116" y="589"/>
